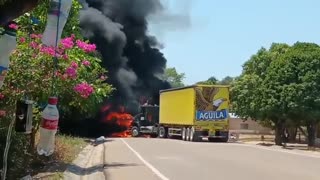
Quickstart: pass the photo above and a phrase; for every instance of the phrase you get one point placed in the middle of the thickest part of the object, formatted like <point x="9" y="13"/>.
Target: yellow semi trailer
<point x="195" y="112"/>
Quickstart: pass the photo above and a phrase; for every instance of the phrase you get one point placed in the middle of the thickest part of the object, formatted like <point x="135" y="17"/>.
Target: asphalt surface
<point x="163" y="159"/>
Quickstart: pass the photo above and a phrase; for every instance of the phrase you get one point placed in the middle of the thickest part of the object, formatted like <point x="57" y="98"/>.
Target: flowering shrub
<point x="72" y="72"/>
<point x="31" y="72"/>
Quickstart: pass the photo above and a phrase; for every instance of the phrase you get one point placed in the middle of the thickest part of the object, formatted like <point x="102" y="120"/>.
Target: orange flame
<point x="121" y="119"/>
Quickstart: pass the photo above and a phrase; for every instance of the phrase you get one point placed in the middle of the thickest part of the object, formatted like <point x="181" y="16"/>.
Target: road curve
<point x="163" y="159"/>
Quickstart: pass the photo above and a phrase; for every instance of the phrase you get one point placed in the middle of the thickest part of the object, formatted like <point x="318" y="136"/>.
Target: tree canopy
<point x="213" y="80"/>
<point x="173" y="77"/>
<point x="226" y="80"/>
<point x="280" y="84"/>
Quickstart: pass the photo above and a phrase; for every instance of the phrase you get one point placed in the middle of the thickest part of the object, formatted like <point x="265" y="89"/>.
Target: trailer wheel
<point x="135" y="131"/>
<point x="188" y="134"/>
<point x="184" y="134"/>
<point x="162" y="132"/>
<point x="191" y="135"/>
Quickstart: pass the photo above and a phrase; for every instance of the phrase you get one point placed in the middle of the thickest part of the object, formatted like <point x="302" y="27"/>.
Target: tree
<point x="281" y="85"/>
<point x="256" y="95"/>
<point x="211" y="81"/>
<point x="226" y="80"/>
<point x="300" y="67"/>
<point x="174" y="78"/>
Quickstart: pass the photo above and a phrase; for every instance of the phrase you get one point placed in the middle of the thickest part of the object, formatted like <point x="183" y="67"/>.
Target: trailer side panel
<point x="177" y="107"/>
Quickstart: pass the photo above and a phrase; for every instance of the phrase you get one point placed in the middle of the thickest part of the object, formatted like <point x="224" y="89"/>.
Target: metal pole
<point x="6" y="151"/>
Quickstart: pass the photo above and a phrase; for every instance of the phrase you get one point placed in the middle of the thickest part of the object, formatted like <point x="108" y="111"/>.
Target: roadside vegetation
<point x="29" y="163"/>
<point x="280" y="87"/>
<point x="79" y="83"/>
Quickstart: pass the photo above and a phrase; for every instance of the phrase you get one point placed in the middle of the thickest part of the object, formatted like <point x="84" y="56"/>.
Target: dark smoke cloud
<point x="120" y="30"/>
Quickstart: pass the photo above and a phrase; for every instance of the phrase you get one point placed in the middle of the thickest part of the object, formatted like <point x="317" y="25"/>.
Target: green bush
<point x="77" y="79"/>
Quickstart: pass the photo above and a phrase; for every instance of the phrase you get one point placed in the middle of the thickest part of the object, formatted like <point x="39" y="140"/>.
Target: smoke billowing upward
<point x="119" y="29"/>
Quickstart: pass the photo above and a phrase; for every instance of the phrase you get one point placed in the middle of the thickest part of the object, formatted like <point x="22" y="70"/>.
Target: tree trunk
<point x="292" y="134"/>
<point x="12" y="9"/>
<point x="311" y="128"/>
<point x="279" y="133"/>
<point x="318" y="130"/>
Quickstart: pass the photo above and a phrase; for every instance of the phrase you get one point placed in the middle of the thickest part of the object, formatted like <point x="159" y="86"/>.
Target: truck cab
<point x="146" y="122"/>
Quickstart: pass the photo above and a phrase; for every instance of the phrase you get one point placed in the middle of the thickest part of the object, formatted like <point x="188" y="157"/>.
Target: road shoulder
<point x="290" y="148"/>
<point x="122" y="163"/>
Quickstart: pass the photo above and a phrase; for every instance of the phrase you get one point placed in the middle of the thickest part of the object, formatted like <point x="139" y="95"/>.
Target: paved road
<point x="162" y="159"/>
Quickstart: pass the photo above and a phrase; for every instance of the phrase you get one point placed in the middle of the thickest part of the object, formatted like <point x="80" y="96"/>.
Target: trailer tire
<point x="183" y="134"/>
<point x="188" y="134"/>
<point x="135" y="131"/>
<point x="162" y="132"/>
<point x="193" y="135"/>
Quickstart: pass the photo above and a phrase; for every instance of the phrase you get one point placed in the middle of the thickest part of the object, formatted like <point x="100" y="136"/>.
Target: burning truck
<point x="191" y="113"/>
<point x="133" y="59"/>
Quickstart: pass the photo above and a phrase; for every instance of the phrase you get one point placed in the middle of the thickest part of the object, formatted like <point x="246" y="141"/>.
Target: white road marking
<point x="294" y="152"/>
<point x="298" y="152"/>
<point x="153" y="169"/>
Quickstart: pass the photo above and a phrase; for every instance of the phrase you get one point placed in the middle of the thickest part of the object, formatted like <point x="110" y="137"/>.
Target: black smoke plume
<point x="119" y="28"/>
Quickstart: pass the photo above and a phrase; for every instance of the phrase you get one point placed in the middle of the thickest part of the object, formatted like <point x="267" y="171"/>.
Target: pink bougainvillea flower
<point x="57" y="73"/>
<point x="67" y="43"/>
<point x="60" y="51"/>
<point x="103" y="78"/>
<point x="36" y="36"/>
<point x="71" y="72"/>
<point x="34" y="45"/>
<point x="2" y="113"/>
<point x="1" y="96"/>
<point x="74" y="65"/>
<point x="65" y="56"/>
<point x="22" y="40"/>
<point x="86" y="63"/>
<point x="13" y="26"/>
<point x="84" y="89"/>
<point x="48" y="50"/>
<point x="85" y="46"/>
<point x="64" y="76"/>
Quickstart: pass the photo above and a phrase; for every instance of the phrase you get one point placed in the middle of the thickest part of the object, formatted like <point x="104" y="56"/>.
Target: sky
<point x="207" y="38"/>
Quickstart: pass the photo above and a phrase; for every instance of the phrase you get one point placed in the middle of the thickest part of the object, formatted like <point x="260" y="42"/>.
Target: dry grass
<point x="256" y="137"/>
<point x="267" y="138"/>
<point x="269" y="141"/>
<point x="68" y="147"/>
<point x="66" y="150"/>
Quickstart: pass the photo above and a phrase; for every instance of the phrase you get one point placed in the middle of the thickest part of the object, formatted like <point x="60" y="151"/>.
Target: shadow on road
<point x="98" y="168"/>
<point x="266" y="144"/>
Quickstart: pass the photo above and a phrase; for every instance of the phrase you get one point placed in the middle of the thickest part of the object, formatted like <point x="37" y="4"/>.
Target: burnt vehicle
<point x="146" y="122"/>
